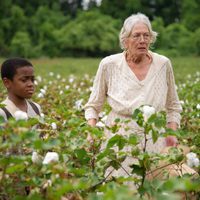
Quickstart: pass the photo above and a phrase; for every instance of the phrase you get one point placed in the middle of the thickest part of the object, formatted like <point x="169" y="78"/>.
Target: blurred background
<point x="90" y="28"/>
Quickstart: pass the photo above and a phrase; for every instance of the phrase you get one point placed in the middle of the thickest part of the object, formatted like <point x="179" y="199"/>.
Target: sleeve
<point x="173" y="105"/>
<point x="98" y="94"/>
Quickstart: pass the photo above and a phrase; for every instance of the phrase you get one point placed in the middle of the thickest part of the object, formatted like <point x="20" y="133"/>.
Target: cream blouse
<point x="124" y="92"/>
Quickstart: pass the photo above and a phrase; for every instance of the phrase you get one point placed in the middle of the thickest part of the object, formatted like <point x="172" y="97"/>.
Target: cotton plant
<point x="102" y="120"/>
<point x="153" y="123"/>
<point x="39" y="78"/>
<point x="49" y="158"/>
<point x="54" y="126"/>
<point x="78" y="104"/>
<point x="51" y="74"/>
<point x="71" y="79"/>
<point x="147" y="111"/>
<point x="67" y="87"/>
<point x="36" y="158"/>
<point x="192" y="160"/>
<point x="42" y="92"/>
<point x="100" y="124"/>
<point x="58" y="76"/>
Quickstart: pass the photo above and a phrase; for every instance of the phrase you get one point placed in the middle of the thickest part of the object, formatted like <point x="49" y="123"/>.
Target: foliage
<point x="189" y="19"/>
<point x="21" y="44"/>
<point x="172" y="40"/>
<point x="60" y="28"/>
<point x="79" y="173"/>
<point x="89" y="33"/>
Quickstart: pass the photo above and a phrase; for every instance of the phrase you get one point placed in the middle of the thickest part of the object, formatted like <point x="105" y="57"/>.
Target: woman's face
<point x="139" y="40"/>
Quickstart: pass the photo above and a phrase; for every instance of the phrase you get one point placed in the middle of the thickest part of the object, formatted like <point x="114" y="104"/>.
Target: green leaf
<point x="136" y="113"/>
<point x="154" y="135"/>
<point x="15" y="168"/>
<point x="133" y="139"/>
<point x="118" y="140"/>
<point x="82" y="155"/>
<point x="136" y="169"/>
<point x="104" y="153"/>
<point x="115" y="164"/>
<point x="160" y="122"/>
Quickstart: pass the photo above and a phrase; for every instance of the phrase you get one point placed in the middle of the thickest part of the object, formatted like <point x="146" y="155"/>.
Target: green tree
<point x="177" y="37"/>
<point x="196" y="40"/>
<point x="190" y="14"/>
<point x="168" y="10"/>
<point x="17" y="21"/>
<point x="21" y="44"/>
<point x="158" y="26"/>
<point x="42" y="26"/>
<point x="91" y="33"/>
<point x="120" y="9"/>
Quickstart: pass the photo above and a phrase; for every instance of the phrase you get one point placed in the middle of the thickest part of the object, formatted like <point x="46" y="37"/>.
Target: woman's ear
<point x="126" y="43"/>
<point x="6" y="82"/>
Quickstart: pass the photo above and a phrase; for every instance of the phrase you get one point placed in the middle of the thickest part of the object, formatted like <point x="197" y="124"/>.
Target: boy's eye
<point x="24" y="80"/>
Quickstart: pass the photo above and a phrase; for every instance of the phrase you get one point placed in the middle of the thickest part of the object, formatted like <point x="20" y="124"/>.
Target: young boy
<point x="18" y="77"/>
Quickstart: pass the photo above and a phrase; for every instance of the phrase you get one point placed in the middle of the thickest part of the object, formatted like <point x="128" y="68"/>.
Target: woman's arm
<point x="173" y="106"/>
<point x="171" y="140"/>
<point x="97" y="96"/>
<point x="92" y="122"/>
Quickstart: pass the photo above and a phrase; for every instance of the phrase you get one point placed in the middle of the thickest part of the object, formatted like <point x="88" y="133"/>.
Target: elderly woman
<point x="133" y="78"/>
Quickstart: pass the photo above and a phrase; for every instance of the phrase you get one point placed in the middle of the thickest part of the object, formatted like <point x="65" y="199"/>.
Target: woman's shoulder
<point x="112" y="59"/>
<point x="158" y="58"/>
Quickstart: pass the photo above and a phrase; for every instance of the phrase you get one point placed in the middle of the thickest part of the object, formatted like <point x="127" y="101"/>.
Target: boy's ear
<point x="7" y="82"/>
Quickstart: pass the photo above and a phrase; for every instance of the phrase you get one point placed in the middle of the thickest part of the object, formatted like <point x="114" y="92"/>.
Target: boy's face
<point x="22" y="85"/>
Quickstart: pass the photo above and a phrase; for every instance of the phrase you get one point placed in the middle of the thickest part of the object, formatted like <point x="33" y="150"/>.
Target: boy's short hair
<point x="9" y="67"/>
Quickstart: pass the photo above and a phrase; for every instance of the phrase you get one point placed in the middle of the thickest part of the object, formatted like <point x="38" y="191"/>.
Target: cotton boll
<point x="198" y="106"/>
<point x="42" y="115"/>
<point x="104" y="119"/>
<point x="67" y="87"/>
<point x="101" y="114"/>
<point x="51" y="73"/>
<point x="191" y="155"/>
<point x="100" y="124"/>
<point x="147" y="112"/>
<point x="58" y="76"/>
<point x="40" y="95"/>
<point x="53" y="125"/>
<point x="20" y="115"/>
<point x="50" y="157"/>
<point x="47" y="184"/>
<point x="196" y="162"/>
<point x="35" y="82"/>
<point x="192" y="160"/>
<point x="78" y="104"/>
<point x="39" y="78"/>
<point x="36" y="158"/>
<point x="43" y="91"/>
<point x="71" y="79"/>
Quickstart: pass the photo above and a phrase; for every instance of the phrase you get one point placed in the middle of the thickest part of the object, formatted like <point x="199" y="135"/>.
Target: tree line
<point x="68" y="28"/>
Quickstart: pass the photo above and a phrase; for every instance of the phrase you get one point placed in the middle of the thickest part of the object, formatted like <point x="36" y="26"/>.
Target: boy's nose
<point x="30" y="83"/>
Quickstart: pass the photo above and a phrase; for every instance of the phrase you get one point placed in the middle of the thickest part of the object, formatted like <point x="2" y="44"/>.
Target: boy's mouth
<point x="30" y="91"/>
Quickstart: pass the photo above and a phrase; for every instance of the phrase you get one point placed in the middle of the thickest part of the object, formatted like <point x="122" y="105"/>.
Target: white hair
<point x="128" y="25"/>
